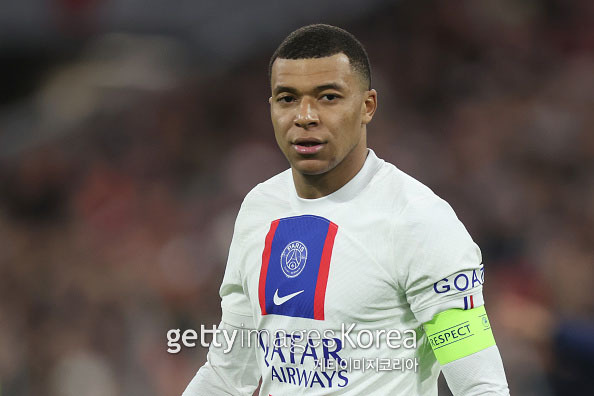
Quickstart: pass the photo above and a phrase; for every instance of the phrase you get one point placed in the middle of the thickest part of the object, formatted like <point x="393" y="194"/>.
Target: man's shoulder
<point x="265" y="196"/>
<point x="411" y="202"/>
<point x="404" y="192"/>
<point x="272" y="190"/>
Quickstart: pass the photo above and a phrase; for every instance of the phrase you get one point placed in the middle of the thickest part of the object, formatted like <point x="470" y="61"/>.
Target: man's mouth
<point x="309" y="144"/>
<point x="308" y="147"/>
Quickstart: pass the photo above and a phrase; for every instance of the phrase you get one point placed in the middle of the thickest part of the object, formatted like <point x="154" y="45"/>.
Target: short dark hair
<point x="319" y="41"/>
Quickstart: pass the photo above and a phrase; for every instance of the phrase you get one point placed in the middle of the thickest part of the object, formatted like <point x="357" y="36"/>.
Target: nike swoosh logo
<point x="281" y="300"/>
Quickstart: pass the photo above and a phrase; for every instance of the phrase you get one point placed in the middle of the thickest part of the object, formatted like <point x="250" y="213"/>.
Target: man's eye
<point x="330" y="97"/>
<point x="286" y="99"/>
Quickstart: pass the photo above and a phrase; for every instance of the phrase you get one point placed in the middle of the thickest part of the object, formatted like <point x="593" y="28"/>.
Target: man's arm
<point x="233" y="373"/>
<point x="478" y="374"/>
<point x="464" y="345"/>
<point x="443" y="284"/>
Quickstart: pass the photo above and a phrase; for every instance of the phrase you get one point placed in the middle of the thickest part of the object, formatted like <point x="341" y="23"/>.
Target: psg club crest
<point x="296" y="287"/>
<point x="293" y="259"/>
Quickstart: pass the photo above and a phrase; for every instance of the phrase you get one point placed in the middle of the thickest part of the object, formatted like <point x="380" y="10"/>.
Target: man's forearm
<point x="478" y="374"/>
<point x="232" y="373"/>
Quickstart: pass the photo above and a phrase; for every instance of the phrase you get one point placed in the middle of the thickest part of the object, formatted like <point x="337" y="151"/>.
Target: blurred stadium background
<point x="130" y="131"/>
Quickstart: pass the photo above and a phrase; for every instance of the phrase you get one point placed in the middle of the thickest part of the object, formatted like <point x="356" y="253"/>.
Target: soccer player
<point x="358" y="279"/>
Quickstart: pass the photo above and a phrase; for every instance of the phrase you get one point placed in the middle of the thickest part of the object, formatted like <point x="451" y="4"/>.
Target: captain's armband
<point x="456" y="333"/>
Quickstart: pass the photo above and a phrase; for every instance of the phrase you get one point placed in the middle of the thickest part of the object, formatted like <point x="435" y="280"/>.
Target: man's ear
<point x="369" y="106"/>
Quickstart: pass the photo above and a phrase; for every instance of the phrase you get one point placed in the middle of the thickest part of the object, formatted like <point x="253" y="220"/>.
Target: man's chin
<point x="311" y="167"/>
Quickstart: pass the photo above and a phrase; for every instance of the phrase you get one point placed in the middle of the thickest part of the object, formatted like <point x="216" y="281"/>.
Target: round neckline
<point x="350" y="189"/>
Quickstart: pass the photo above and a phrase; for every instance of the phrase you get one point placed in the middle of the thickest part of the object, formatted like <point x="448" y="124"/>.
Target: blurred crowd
<point x="116" y="216"/>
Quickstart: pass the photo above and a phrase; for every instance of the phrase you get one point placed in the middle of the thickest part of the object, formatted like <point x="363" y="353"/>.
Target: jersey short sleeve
<point x="442" y="264"/>
<point x="235" y="303"/>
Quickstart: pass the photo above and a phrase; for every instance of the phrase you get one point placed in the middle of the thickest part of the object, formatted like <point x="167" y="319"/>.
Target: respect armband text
<point x="457" y="333"/>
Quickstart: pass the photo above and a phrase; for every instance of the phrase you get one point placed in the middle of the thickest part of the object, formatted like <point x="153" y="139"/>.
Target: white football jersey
<point x="375" y="260"/>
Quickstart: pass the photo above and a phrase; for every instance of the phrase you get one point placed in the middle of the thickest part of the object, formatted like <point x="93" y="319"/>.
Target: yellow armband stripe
<point x="456" y="333"/>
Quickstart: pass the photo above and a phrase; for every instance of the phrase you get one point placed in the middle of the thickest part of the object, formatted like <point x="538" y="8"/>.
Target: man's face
<point x="319" y="108"/>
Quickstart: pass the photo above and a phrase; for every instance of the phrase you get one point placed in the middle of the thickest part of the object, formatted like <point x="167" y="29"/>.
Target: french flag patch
<point x="468" y="302"/>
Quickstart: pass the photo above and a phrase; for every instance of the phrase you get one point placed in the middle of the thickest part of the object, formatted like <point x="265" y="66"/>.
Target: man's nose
<point x="307" y="115"/>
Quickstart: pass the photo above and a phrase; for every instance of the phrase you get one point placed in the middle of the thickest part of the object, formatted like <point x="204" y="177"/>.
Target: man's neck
<point x="317" y="186"/>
